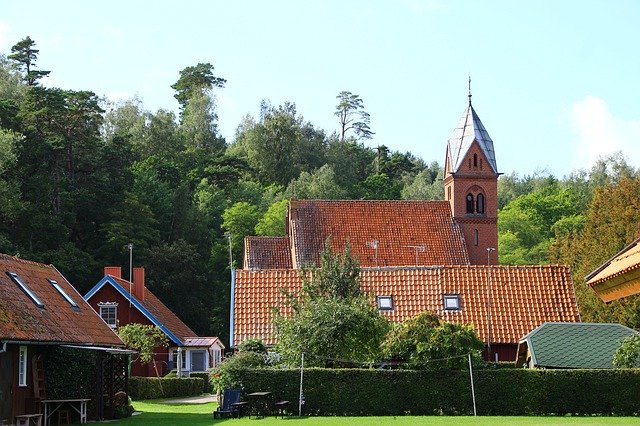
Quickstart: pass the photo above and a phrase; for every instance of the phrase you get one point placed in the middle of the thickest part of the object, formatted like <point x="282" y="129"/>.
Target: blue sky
<point x="554" y="82"/>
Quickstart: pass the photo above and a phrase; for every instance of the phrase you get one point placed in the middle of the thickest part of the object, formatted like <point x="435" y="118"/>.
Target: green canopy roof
<point x="575" y="345"/>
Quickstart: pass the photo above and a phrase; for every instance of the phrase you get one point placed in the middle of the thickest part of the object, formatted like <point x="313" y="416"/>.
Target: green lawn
<point x="158" y="413"/>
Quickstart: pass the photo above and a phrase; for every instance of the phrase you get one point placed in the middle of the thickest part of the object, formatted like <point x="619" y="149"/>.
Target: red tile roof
<point x="522" y="297"/>
<point x="619" y="276"/>
<point x="57" y="321"/>
<point x="267" y="253"/>
<point x="160" y="311"/>
<point x="381" y="233"/>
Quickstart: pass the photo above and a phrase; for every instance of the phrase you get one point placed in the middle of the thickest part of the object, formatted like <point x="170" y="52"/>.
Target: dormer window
<point x="25" y="288"/>
<point x="385" y="303"/>
<point x="451" y="302"/>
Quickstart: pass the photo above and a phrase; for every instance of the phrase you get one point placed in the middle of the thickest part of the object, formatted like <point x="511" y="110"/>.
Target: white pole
<point x="473" y="391"/>
<point x="300" y="396"/>
<point x="130" y="270"/>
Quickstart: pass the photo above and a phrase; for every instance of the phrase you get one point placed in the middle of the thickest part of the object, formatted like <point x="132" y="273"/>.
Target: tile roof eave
<point x="110" y="280"/>
<point x="602" y="267"/>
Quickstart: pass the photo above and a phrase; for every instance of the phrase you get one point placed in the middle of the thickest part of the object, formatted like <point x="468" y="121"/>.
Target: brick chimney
<point x="138" y="283"/>
<point x="114" y="271"/>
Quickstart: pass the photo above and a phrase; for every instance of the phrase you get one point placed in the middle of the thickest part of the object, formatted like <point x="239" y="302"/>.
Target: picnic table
<point x="52" y="405"/>
<point x="259" y="402"/>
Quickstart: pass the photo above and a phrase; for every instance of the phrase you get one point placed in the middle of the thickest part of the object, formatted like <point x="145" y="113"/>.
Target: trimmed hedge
<point x="154" y="387"/>
<point x="499" y="392"/>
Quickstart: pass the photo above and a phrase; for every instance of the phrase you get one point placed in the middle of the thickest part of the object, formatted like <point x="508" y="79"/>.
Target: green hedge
<point x="154" y="387"/>
<point x="498" y="392"/>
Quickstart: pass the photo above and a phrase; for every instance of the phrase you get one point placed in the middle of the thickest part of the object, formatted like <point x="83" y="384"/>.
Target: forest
<point x="81" y="178"/>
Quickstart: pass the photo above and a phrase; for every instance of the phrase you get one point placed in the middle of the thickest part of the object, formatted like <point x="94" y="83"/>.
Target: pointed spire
<point x="469" y="89"/>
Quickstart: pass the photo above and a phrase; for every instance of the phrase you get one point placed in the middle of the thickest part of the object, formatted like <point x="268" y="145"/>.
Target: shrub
<point x="154" y="387"/>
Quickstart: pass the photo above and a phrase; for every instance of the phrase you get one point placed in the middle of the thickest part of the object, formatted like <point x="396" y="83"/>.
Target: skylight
<point x="16" y="279"/>
<point x="451" y="302"/>
<point x="63" y="293"/>
<point x="385" y="303"/>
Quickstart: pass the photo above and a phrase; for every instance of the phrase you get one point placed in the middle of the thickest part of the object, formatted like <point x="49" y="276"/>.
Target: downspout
<point x="231" y="311"/>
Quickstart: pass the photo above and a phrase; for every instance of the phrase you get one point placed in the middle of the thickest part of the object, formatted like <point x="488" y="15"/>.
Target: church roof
<point x="522" y="297"/>
<point x="380" y="233"/>
<point x="468" y="130"/>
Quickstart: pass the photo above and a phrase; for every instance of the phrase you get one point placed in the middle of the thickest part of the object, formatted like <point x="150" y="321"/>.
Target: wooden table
<point x="26" y="419"/>
<point x="259" y="402"/>
<point x="52" y="405"/>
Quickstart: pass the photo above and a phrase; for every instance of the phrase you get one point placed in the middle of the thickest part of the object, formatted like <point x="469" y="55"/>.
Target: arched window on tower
<point x="480" y="204"/>
<point x="476" y="237"/>
<point x="475" y="160"/>
<point x="469" y="204"/>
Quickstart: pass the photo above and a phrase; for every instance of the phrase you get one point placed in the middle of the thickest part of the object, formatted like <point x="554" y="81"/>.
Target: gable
<point x="152" y="308"/>
<point x="55" y="319"/>
<point x="380" y="233"/>
<point x="469" y="130"/>
<point x="522" y="297"/>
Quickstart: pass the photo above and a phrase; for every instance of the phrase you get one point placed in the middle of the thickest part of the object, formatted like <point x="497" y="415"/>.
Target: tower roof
<point x="470" y="129"/>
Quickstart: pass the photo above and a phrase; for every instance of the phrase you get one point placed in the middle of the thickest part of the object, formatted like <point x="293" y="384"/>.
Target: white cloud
<point x="600" y="133"/>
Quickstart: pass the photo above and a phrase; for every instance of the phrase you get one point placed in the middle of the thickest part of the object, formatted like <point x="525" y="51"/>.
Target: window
<point x="109" y="313"/>
<point x="385" y="303"/>
<point x="480" y="204"/>
<point x="63" y="293"/>
<point x="174" y="359"/>
<point x="22" y="366"/>
<point x="451" y="302"/>
<point x="475" y="160"/>
<point x="16" y="279"/>
<point x="448" y="193"/>
<point x="475" y="237"/>
<point x="469" y="204"/>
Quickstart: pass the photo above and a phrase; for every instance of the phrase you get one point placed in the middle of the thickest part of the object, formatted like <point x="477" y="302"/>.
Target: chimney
<point x="114" y="271"/>
<point x="138" y="283"/>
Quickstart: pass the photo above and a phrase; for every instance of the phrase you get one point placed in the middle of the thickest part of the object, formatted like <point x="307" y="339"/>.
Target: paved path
<point x="203" y="399"/>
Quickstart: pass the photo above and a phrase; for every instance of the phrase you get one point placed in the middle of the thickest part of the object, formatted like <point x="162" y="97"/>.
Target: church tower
<point x="471" y="186"/>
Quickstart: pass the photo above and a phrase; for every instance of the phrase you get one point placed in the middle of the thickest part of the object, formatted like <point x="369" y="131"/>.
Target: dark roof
<point x="469" y="130"/>
<point x="380" y="233"/>
<point x="57" y="321"/>
<point x="156" y="311"/>
<point x="267" y="253"/>
<point x="522" y="297"/>
<point x="575" y="345"/>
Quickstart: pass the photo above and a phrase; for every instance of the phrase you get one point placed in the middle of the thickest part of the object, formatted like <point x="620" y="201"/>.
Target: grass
<point x="159" y="412"/>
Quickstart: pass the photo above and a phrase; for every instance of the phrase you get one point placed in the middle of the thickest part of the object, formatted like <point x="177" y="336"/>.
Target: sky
<point x="555" y="83"/>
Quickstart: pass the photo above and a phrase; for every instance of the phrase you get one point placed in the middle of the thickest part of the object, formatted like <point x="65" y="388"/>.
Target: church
<point x="440" y="256"/>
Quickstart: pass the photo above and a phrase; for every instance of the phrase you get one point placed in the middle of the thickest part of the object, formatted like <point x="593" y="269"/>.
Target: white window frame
<point x="174" y="359"/>
<point x="22" y="366"/>
<point x="452" y="302"/>
<point x="385" y="303"/>
<point x="108" y="306"/>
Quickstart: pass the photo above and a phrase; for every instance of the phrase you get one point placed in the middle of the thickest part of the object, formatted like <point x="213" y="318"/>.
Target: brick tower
<point x="471" y="186"/>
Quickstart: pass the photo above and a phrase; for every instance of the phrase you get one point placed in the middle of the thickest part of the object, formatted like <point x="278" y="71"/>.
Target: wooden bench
<point x="281" y="407"/>
<point x="26" y="419"/>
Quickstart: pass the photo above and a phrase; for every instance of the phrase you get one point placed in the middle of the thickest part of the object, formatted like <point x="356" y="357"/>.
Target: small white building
<point x="198" y="354"/>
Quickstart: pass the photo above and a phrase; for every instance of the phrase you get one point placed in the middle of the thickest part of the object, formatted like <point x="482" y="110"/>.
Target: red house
<point x="120" y="302"/>
<point x="43" y="316"/>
